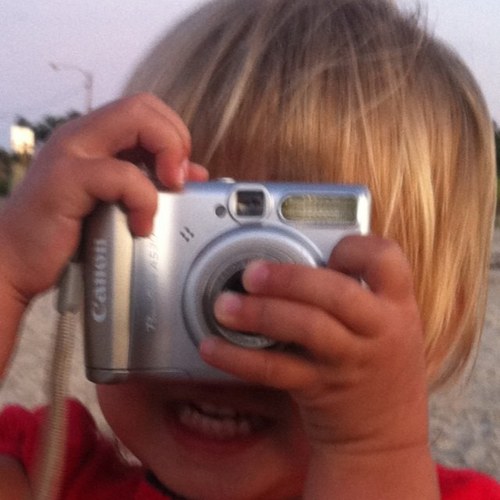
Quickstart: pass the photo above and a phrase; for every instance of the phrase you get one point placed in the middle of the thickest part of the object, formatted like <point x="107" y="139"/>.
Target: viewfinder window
<point x="250" y="203"/>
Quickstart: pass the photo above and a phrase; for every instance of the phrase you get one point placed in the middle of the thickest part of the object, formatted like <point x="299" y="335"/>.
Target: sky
<point x="106" y="38"/>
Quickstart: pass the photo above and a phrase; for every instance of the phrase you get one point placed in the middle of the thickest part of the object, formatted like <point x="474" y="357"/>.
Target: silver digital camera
<point x="149" y="301"/>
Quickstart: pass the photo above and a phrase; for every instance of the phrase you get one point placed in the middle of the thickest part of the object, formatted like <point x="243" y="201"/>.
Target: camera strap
<point x="51" y="453"/>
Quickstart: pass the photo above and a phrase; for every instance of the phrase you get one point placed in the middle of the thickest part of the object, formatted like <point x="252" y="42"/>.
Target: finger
<point x="311" y="328"/>
<point x="263" y="367"/>
<point x="123" y="182"/>
<point x="129" y="122"/>
<point x="340" y="295"/>
<point x="379" y="262"/>
<point x="197" y="173"/>
<point x="78" y="185"/>
<point x="137" y="121"/>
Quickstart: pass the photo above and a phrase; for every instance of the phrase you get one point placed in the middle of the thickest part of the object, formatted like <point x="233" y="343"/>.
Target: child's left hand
<point x="361" y="387"/>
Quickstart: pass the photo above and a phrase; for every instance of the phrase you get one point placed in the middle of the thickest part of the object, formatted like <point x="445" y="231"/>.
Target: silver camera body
<point x="149" y="301"/>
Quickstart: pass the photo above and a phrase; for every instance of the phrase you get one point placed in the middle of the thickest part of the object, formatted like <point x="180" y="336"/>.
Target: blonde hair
<point x="349" y="91"/>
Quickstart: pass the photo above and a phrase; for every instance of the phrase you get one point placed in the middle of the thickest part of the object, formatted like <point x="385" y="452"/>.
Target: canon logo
<point x="100" y="280"/>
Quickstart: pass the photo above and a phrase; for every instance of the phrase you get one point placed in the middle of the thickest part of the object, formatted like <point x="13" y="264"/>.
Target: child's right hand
<point x="359" y="381"/>
<point x="40" y="223"/>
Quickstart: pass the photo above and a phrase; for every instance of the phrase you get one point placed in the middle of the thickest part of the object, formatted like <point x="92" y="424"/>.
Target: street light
<point x="88" y="81"/>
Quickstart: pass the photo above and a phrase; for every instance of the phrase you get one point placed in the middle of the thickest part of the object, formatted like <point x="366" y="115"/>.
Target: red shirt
<point x="93" y="469"/>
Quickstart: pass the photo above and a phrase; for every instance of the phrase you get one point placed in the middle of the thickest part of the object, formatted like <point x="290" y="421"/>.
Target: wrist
<point x="394" y="474"/>
<point x="12" y="306"/>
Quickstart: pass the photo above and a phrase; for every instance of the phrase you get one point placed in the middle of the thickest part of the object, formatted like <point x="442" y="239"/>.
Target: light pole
<point x="88" y="81"/>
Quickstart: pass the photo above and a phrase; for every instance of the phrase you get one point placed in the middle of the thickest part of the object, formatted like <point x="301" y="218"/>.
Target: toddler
<point x="337" y="91"/>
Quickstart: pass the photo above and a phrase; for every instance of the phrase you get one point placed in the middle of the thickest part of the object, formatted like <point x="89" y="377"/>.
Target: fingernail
<point x="207" y="346"/>
<point x="255" y="275"/>
<point x="182" y="172"/>
<point x="228" y="304"/>
<point x="148" y="228"/>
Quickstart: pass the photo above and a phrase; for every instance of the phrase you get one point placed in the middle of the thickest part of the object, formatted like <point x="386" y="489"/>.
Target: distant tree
<point x="6" y="160"/>
<point x="12" y="165"/>
<point x="47" y="124"/>
<point x="497" y="144"/>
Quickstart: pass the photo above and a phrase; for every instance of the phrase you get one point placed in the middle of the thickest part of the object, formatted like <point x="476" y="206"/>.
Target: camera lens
<point x="219" y="268"/>
<point x="234" y="283"/>
<point x="229" y="279"/>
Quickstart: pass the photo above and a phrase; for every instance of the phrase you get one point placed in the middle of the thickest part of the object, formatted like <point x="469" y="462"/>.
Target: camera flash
<point x="320" y="209"/>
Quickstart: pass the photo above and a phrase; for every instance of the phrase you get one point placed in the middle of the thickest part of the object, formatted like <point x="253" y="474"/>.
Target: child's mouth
<point x="220" y="423"/>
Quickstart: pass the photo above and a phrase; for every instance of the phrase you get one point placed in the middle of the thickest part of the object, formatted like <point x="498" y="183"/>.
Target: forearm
<point x="408" y="474"/>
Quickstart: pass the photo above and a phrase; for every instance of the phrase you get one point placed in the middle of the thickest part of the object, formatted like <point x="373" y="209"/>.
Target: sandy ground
<point x="465" y="421"/>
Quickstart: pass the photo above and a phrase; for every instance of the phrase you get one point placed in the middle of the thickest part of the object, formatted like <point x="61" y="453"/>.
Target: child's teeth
<point x="219" y="423"/>
<point x="214" y="410"/>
